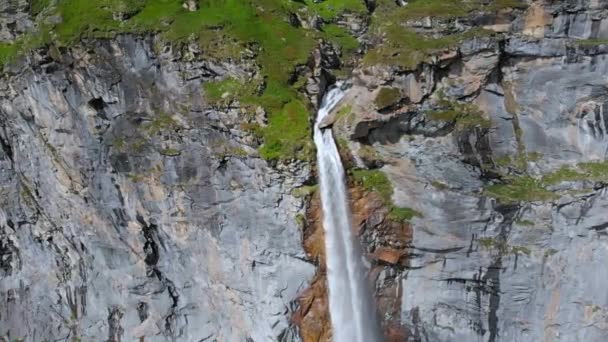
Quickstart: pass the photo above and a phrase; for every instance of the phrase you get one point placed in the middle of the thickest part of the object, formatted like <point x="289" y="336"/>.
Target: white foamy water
<point x="353" y="314"/>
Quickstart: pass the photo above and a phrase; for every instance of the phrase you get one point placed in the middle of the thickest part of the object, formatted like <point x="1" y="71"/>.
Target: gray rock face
<point x="132" y="209"/>
<point x="480" y="269"/>
<point x="14" y="19"/>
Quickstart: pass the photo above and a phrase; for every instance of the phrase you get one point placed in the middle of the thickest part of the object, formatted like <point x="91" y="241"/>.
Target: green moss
<point x="445" y="9"/>
<point x="224" y="29"/>
<point x="518" y="189"/>
<point x="170" y="152"/>
<point x="376" y="181"/>
<point x="439" y="185"/>
<point x="304" y="191"/>
<point x="592" y="42"/>
<point x="403" y="214"/>
<point x="434" y="8"/>
<point x="119" y="143"/>
<point x="300" y="220"/>
<point x="526" y="223"/>
<point x="329" y="9"/>
<point x="520" y="250"/>
<point x="288" y="133"/>
<point x="518" y="162"/>
<point x="161" y="122"/>
<point x="368" y="154"/>
<point x="462" y="115"/>
<point x="401" y="46"/>
<point x="8" y="52"/>
<point x="591" y="171"/>
<point x="563" y="174"/>
<point x="37" y="6"/>
<point x="528" y="189"/>
<point x="341" y="37"/>
<point x="502" y="247"/>
<point x="225" y="91"/>
<point x="405" y="48"/>
<point x="387" y="96"/>
<point x="550" y="251"/>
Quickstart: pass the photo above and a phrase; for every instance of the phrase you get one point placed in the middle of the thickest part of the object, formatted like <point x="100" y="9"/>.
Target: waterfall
<point x="353" y="314"/>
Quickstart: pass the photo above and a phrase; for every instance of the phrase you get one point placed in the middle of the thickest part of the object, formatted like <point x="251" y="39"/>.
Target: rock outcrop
<point x="133" y="209"/>
<point x="507" y="243"/>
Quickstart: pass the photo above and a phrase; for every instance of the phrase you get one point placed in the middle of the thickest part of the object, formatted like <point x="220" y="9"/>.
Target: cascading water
<point x="353" y="314"/>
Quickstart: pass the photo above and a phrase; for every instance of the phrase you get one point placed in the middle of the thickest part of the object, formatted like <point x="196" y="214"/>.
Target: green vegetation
<point x="368" y="155"/>
<point x="300" y="220"/>
<point x="406" y="49"/>
<point x="160" y="123"/>
<point x="288" y="133"/>
<point x="341" y="37"/>
<point x="462" y="115"/>
<point x="528" y="189"/>
<point x="8" y="52"/>
<point x="439" y="185"/>
<point x="592" y="42"/>
<point x="518" y="162"/>
<point x="376" y="181"/>
<point x="225" y="91"/>
<point x="526" y="223"/>
<point x="524" y="188"/>
<point x="329" y="9"/>
<point x="549" y="252"/>
<point x="502" y="247"/>
<point x="224" y="29"/>
<point x="417" y="9"/>
<point x="387" y="96"/>
<point x="304" y="191"/>
<point x="170" y="152"/>
<point x="403" y="215"/>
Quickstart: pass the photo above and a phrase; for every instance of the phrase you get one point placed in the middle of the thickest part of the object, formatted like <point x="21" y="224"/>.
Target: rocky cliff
<point x="158" y="181"/>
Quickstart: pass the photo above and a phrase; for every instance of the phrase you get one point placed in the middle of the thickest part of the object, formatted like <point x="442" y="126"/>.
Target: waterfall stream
<point x="353" y="313"/>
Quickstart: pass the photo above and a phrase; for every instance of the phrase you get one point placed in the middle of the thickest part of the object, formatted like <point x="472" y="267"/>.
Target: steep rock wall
<point x="132" y="209"/>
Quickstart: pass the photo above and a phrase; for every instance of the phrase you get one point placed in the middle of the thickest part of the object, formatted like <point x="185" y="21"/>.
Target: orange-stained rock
<point x="388" y="255"/>
<point x="385" y="244"/>
<point x="314" y="235"/>
<point x="312" y="317"/>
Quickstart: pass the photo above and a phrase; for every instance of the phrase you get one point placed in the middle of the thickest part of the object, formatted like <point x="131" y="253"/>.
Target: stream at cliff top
<point x="353" y="314"/>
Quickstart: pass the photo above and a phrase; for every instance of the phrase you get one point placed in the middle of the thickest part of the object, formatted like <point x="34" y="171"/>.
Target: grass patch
<point x="462" y="115"/>
<point x="160" y="123"/>
<point x="446" y="9"/>
<point x="591" y="42"/>
<point x="304" y="191"/>
<point x="329" y="9"/>
<point x="503" y="247"/>
<point x="528" y="189"/>
<point x="376" y="181"/>
<point x="170" y="152"/>
<point x="403" y="215"/>
<point x="526" y="223"/>
<point x="288" y="133"/>
<point x="402" y="47"/>
<point x="8" y="52"/>
<point x="525" y="188"/>
<point x="226" y="91"/>
<point x="387" y="96"/>
<point x="225" y="29"/>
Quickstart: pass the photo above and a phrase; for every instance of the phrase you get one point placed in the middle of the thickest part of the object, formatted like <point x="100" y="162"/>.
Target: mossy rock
<point x="387" y="97"/>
